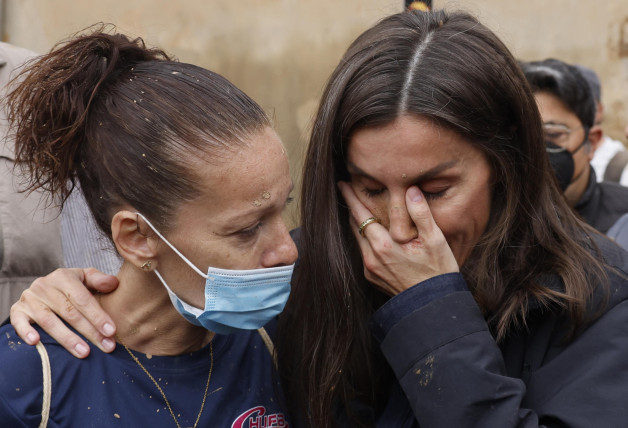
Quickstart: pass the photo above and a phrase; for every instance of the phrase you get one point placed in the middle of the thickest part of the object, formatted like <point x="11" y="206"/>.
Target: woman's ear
<point x="134" y="245"/>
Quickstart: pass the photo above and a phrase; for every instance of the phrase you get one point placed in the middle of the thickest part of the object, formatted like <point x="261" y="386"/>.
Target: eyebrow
<point x="430" y="173"/>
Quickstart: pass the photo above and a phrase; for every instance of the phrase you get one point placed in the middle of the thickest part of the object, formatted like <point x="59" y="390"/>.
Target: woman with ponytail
<point x="443" y="280"/>
<point x="185" y="174"/>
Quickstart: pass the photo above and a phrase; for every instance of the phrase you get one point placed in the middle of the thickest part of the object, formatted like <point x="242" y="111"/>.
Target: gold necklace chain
<point x="211" y="367"/>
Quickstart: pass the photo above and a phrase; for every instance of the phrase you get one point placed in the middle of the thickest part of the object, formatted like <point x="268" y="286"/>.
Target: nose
<point x="402" y="228"/>
<point x="282" y="251"/>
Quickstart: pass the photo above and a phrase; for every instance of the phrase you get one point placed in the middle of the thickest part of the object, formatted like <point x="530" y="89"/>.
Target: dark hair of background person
<point x="565" y="82"/>
<point x="126" y="121"/>
<point x="449" y="68"/>
<point x="593" y="80"/>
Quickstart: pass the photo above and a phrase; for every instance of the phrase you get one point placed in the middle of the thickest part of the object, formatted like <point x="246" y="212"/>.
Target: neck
<point x="145" y="318"/>
<point x="576" y="189"/>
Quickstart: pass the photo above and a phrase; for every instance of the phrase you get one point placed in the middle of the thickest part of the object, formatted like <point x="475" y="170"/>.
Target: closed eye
<point x="371" y="193"/>
<point x="430" y="196"/>
<point x="250" y="232"/>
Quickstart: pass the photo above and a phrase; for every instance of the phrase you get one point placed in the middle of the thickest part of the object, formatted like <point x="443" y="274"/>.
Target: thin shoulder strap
<point x="269" y="344"/>
<point x="45" y="366"/>
<point x="616" y="166"/>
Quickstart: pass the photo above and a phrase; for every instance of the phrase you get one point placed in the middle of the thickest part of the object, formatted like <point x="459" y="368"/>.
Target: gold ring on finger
<point x="365" y="223"/>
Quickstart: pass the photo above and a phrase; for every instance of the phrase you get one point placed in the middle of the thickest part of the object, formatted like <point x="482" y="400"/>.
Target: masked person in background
<point x="155" y="145"/>
<point x="610" y="158"/>
<point x="443" y="280"/>
<point x="568" y="110"/>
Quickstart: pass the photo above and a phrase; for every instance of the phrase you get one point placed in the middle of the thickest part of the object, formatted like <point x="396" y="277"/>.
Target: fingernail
<point x="108" y="329"/>
<point x="31" y="337"/>
<point x="108" y="344"/>
<point x="415" y="194"/>
<point x="80" y="349"/>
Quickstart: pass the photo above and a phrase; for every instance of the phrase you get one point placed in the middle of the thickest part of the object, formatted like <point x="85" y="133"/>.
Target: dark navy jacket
<point x="454" y="374"/>
<point x="602" y="204"/>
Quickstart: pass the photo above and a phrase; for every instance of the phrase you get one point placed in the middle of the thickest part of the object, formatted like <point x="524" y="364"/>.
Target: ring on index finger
<point x="365" y="224"/>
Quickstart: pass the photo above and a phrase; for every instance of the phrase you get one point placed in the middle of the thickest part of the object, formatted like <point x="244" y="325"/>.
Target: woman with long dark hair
<point x="443" y="280"/>
<point x="433" y="107"/>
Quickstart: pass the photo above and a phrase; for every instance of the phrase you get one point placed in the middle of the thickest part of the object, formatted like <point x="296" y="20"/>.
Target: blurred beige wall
<point x="282" y="51"/>
<point x="591" y="33"/>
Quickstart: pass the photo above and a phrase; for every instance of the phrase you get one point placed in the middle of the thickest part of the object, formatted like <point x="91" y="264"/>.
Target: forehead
<point x="248" y="177"/>
<point x="408" y="142"/>
<point x="553" y="109"/>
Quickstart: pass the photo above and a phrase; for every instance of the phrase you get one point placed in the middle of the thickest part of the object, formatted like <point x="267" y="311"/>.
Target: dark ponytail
<point x="49" y="110"/>
<point x="125" y="121"/>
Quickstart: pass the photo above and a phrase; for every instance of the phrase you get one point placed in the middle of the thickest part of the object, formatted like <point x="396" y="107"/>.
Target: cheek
<point x="205" y="250"/>
<point x="463" y="221"/>
<point x="451" y="218"/>
<point x="236" y="257"/>
<point x="580" y="161"/>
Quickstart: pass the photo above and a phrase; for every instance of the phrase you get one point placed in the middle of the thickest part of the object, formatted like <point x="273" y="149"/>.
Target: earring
<point x="146" y="265"/>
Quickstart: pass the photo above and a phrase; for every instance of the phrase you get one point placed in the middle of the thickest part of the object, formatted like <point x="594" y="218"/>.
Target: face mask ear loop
<point x="585" y="141"/>
<point x="189" y="263"/>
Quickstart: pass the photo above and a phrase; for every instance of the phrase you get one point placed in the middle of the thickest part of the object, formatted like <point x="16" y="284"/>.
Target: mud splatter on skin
<point x="264" y="196"/>
<point x="404" y="176"/>
<point x="68" y="306"/>
<point x="133" y="330"/>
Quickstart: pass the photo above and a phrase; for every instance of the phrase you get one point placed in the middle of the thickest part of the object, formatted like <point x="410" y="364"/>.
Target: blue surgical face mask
<point x="234" y="299"/>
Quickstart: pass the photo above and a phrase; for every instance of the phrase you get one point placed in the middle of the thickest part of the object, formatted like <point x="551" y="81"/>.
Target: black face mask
<point x="562" y="163"/>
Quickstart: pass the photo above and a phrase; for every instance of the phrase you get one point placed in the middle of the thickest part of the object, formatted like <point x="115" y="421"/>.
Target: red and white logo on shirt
<point x="256" y="417"/>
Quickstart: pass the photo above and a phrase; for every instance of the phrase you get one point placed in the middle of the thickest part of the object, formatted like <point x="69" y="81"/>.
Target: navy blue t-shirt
<point x="111" y="390"/>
